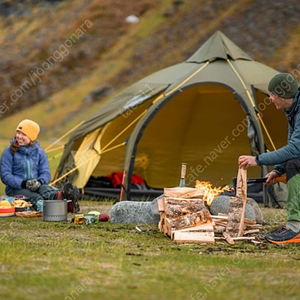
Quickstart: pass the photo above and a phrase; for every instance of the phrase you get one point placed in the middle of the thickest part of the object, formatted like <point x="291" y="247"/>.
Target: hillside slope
<point x="54" y="54"/>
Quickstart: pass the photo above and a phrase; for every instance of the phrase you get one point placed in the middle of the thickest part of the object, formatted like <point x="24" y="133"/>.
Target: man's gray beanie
<point x="283" y="85"/>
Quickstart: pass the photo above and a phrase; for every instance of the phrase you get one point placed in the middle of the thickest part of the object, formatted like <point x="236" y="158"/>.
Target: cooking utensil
<point x="55" y="210"/>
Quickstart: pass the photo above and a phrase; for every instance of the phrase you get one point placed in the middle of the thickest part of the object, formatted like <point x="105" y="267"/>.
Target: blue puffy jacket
<point x="292" y="149"/>
<point x="28" y="163"/>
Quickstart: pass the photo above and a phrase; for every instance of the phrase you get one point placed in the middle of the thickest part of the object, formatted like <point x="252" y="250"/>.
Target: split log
<point x="237" y="206"/>
<point x="194" y="237"/>
<point x="209" y="226"/>
<point x="241" y="184"/>
<point x="239" y="238"/>
<point x="228" y="238"/>
<point x="167" y="228"/>
<point x="234" y="216"/>
<point x="183" y="192"/>
<point x="183" y="201"/>
<point x="178" y="208"/>
<point x="161" y="222"/>
<point x="242" y="194"/>
<point x="251" y="231"/>
<point x="243" y="238"/>
<point x="160" y="204"/>
<point x="219" y="229"/>
<point x="223" y="219"/>
<point x="189" y="220"/>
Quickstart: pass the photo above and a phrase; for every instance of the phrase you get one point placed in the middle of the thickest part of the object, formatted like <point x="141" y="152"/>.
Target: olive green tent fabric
<point x="202" y="111"/>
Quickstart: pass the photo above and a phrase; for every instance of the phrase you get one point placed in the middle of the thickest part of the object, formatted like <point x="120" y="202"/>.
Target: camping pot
<point x="55" y="210"/>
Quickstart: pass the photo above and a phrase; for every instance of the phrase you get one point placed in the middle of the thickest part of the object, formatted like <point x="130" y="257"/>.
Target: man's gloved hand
<point x="33" y="185"/>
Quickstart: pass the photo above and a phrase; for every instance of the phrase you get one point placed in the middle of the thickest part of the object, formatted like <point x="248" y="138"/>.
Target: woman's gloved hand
<point x="33" y="185"/>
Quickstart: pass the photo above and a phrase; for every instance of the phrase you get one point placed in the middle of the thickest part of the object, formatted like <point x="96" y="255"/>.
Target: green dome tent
<point x="205" y="111"/>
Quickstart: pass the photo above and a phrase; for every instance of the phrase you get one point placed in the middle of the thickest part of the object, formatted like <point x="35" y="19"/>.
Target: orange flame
<point x="210" y="193"/>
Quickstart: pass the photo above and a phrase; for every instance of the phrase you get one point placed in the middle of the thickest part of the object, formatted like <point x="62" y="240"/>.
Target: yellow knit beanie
<point x="30" y="128"/>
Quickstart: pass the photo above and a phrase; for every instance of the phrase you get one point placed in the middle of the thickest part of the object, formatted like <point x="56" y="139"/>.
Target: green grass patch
<point x="61" y="260"/>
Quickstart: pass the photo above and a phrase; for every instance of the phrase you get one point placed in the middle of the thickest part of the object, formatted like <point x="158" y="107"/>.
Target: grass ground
<point x="60" y="260"/>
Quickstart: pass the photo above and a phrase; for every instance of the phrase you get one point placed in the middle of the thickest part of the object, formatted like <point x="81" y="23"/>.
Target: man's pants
<point x="292" y="168"/>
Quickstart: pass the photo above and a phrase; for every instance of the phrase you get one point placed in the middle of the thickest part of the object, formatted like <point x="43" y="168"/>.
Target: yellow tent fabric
<point x="87" y="157"/>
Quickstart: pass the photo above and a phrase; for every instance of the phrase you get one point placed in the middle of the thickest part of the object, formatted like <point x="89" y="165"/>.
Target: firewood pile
<point x="185" y="217"/>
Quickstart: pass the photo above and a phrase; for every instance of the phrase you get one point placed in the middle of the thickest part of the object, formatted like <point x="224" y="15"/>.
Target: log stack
<point x="184" y="216"/>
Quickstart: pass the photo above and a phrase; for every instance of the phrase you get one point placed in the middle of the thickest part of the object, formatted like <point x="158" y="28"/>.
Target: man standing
<point x="285" y="94"/>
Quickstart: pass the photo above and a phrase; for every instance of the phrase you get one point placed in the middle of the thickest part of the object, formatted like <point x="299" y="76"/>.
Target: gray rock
<point x="135" y="212"/>
<point x="258" y="214"/>
<point x="221" y="205"/>
<point x="154" y="210"/>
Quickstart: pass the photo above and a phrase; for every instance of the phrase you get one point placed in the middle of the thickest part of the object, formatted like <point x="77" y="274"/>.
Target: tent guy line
<point x="253" y="104"/>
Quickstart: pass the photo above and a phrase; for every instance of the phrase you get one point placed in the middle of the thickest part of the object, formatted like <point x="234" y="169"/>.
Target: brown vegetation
<point x="47" y="46"/>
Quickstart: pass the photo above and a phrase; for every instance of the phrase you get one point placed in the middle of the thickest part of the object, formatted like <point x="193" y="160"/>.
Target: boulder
<point x="221" y="205"/>
<point x="258" y="214"/>
<point x="135" y="212"/>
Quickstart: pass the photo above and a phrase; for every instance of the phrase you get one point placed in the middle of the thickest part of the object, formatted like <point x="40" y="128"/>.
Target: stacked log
<point x="184" y="216"/>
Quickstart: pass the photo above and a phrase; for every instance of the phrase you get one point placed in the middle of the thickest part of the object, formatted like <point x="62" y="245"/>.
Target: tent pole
<point x="267" y="133"/>
<point x="122" y="186"/>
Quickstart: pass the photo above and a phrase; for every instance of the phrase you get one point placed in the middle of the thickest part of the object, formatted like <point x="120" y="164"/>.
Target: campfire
<point x="209" y="192"/>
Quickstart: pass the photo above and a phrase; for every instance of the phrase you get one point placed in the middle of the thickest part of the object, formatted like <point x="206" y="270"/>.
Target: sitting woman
<point x="25" y="169"/>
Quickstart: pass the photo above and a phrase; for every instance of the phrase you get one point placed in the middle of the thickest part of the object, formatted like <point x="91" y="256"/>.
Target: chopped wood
<point x="161" y="222"/>
<point x="183" y="192"/>
<point x="185" y="218"/>
<point x="236" y="214"/>
<point x="194" y="237"/>
<point x="179" y="208"/>
<point x="228" y="238"/>
<point x="221" y="217"/>
<point x="239" y="238"/>
<point x="242" y="194"/>
<point x="243" y="238"/>
<point x="251" y="231"/>
<point x="182" y="201"/>
<point x="219" y="229"/>
<point x="167" y="227"/>
<point x="248" y="222"/>
<point x="189" y="220"/>
<point x="221" y="224"/>
<point x="209" y="226"/>
<point x="160" y="204"/>
<point x="255" y="226"/>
